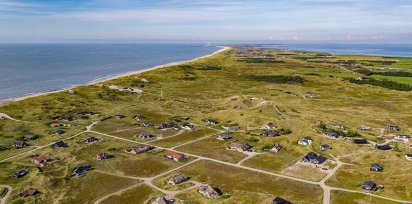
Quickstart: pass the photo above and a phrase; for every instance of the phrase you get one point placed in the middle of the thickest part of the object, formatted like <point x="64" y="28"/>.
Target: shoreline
<point x="222" y="49"/>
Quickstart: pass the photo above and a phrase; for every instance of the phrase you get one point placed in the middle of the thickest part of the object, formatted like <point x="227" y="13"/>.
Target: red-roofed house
<point x="175" y="156"/>
<point x="40" y="160"/>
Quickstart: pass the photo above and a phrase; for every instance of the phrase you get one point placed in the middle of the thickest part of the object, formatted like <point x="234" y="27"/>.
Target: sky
<point x="206" y="21"/>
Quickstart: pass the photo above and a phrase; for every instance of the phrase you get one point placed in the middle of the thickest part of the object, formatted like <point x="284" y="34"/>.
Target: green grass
<point x="393" y="177"/>
<point x="274" y="162"/>
<point x="139" y="194"/>
<point x="240" y="185"/>
<point x="184" y="137"/>
<point x="213" y="148"/>
<point x="340" y="197"/>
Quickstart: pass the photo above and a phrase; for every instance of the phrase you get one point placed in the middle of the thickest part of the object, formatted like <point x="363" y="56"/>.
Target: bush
<point x="322" y="126"/>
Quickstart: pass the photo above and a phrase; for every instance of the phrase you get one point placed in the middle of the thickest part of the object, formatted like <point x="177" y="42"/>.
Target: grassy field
<point x="139" y="194"/>
<point x="184" y="137"/>
<point x="243" y="186"/>
<point x="230" y="90"/>
<point x="352" y="176"/>
<point x="213" y="148"/>
<point x="340" y="197"/>
<point x="274" y="162"/>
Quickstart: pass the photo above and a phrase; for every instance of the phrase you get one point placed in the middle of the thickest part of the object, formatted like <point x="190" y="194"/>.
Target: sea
<point x="27" y="69"/>
<point x="35" y="68"/>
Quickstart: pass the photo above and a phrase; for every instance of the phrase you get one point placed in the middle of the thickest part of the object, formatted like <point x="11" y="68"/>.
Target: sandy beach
<point x="223" y="48"/>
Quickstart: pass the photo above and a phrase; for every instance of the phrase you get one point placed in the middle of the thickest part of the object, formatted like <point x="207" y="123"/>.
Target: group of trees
<point x="280" y="79"/>
<point x="382" y="83"/>
<point x="368" y="72"/>
<point x="260" y="60"/>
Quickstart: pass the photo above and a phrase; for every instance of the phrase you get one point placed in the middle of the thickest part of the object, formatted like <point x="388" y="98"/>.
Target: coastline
<point x="222" y="49"/>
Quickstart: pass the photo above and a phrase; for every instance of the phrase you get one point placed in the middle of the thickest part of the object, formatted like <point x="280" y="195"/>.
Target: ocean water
<point x="390" y="50"/>
<point x="33" y="68"/>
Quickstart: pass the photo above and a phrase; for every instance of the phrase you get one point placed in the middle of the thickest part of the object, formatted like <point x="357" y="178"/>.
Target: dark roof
<point x="270" y="133"/>
<point x="65" y="117"/>
<point x="383" y="147"/>
<point x="18" y="143"/>
<point x="240" y="145"/>
<point x="147" y="124"/>
<point x="104" y="155"/>
<point x="59" y="132"/>
<point x="120" y="116"/>
<point x="178" y="178"/>
<point x="369" y="185"/>
<point x="165" y="126"/>
<point x="139" y="117"/>
<point x="91" y="140"/>
<point x="393" y="127"/>
<point x="81" y="170"/>
<point x="325" y="147"/>
<point x="224" y="136"/>
<point x="360" y="141"/>
<point x="146" y="135"/>
<point x="30" y="137"/>
<point x="279" y="200"/>
<point x="86" y="113"/>
<point x="376" y="167"/>
<point x="332" y="134"/>
<point x="20" y="173"/>
<point x="211" y="121"/>
<point x="60" y="143"/>
<point x="314" y="158"/>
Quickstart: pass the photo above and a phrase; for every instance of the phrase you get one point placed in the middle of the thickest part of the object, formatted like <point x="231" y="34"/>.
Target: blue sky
<point x="201" y="20"/>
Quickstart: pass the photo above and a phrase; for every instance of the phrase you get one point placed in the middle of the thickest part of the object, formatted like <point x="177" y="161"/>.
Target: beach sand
<point x="115" y="77"/>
